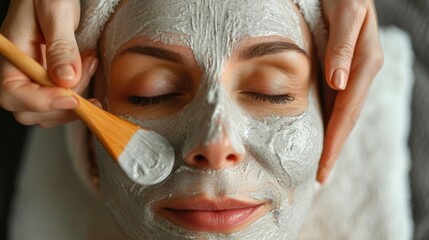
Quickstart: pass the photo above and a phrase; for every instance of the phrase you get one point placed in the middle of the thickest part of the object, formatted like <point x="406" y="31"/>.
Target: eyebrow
<point x="270" y="48"/>
<point x="156" y="52"/>
<point x="254" y="51"/>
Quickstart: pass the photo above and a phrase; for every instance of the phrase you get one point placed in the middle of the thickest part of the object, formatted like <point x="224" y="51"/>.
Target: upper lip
<point x="203" y="203"/>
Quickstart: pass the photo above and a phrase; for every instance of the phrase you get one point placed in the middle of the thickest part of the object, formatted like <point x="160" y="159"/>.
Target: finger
<point x="22" y="95"/>
<point x="45" y="120"/>
<point x="95" y="102"/>
<point x="58" y="21"/>
<point x="51" y="124"/>
<point x="343" y="118"/>
<point x="345" y="26"/>
<point x="49" y="119"/>
<point x="24" y="33"/>
<point x="89" y="66"/>
<point x="22" y="30"/>
<point x="367" y="63"/>
<point x="15" y="91"/>
<point x="66" y="118"/>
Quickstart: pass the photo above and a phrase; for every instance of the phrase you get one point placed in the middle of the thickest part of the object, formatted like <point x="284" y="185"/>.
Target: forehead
<point x="216" y="22"/>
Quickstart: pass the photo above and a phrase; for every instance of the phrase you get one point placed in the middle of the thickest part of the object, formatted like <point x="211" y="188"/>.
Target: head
<point x="233" y="86"/>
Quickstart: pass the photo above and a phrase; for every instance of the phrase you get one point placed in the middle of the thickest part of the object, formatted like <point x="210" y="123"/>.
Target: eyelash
<point x="155" y="100"/>
<point x="273" y="99"/>
<point x="146" y="101"/>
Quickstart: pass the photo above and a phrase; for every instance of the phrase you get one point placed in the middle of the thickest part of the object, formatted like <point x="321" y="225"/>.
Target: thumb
<point x="58" y="21"/>
<point x="345" y="26"/>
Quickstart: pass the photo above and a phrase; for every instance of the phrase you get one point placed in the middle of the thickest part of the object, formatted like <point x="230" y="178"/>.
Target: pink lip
<point x="222" y="215"/>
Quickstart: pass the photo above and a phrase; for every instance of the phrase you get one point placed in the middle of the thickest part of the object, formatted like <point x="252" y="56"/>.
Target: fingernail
<point x="64" y="72"/>
<point x="321" y="175"/>
<point x="95" y="102"/>
<point x="93" y="66"/>
<point x="339" y="79"/>
<point x="64" y="103"/>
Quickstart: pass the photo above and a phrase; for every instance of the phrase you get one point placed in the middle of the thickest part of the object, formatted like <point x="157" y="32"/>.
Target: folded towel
<point x="95" y="14"/>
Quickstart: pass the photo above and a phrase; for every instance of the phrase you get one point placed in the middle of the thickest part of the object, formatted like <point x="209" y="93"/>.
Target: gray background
<point x="11" y="141"/>
<point x="413" y="16"/>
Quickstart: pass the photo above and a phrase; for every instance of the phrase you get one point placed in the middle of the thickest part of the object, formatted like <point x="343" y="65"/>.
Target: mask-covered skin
<point x="231" y="85"/>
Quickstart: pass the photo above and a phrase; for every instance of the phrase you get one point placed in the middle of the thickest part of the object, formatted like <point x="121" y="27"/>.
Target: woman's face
<point x="231" y="85"/>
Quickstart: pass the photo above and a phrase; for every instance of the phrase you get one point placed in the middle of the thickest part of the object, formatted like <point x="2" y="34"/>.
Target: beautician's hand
<point x="29" y="24"/>
<point x="353" y="58"/>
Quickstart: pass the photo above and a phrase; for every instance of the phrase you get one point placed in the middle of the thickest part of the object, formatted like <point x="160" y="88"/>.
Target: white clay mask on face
<point x="280" y="152"/>
<point x="148" y="158"/>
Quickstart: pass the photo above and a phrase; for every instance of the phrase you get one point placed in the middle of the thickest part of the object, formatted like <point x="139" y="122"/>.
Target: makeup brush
<point x="145" y="156"/>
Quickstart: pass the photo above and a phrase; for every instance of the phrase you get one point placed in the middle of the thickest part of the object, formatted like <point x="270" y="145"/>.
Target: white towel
<point x="95" y="14"/>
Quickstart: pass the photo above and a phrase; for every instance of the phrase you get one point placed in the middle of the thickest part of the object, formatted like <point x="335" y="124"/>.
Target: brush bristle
<point x="148" y="158"/>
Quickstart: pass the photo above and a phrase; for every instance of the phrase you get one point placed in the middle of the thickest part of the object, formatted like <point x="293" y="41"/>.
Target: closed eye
<point x="273" y="99"/>
<point x="154" y="100"/>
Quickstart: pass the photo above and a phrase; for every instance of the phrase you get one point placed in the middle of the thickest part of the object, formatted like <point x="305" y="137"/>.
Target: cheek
<point x="288" y="148"/>
<point x="126" y="199"/>
<point x="297" y="150"/>
<point x="113" y="181"/>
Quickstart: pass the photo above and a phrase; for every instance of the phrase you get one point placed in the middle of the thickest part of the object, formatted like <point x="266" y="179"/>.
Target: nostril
<point x="199" y="158"/>
<point x="231" y="157"/>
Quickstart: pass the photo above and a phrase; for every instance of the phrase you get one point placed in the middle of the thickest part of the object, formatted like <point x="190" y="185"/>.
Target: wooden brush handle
<point x="36" y="72"/>
<point x="23" y="62"/>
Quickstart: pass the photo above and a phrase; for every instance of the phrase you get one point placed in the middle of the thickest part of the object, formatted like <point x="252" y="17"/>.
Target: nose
<point x="218" y="155"/>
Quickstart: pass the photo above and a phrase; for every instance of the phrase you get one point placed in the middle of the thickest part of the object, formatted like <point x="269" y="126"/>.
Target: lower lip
<point x="224" y="221"/>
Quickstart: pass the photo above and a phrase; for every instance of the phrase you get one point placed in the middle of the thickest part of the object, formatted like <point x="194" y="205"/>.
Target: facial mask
<point x="194" y="24"/>
<point x="281" y="152"/>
